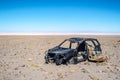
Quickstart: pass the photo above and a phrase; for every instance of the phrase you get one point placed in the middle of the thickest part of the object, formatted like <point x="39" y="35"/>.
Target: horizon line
<point x="56" y="33"/>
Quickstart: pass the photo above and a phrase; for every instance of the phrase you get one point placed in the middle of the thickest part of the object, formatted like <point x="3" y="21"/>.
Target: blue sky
<point x="60" y="16"/>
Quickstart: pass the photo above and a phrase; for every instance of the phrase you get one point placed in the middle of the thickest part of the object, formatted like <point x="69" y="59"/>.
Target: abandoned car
<point x="75" y="50"/>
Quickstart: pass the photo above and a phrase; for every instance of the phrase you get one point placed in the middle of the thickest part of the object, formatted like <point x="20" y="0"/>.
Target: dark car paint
<point x="59" y="50"/>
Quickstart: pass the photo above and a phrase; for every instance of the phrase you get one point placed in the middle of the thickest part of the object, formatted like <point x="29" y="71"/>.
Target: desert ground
<point x="22" y="58"/>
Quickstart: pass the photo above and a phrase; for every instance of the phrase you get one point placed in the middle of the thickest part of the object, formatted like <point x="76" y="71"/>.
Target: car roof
<point x="80" y="39"/>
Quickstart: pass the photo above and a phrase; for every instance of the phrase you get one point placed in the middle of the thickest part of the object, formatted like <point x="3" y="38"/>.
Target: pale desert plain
<point x="22" y="58"/>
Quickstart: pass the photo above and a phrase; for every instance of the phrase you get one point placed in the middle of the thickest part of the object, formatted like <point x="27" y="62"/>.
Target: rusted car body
<point x="75" y="50"/>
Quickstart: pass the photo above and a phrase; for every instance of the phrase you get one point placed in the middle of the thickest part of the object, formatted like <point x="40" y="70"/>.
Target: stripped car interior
<point x="75" y="50"/>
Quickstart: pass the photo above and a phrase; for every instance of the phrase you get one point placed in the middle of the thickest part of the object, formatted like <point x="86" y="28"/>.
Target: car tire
<point x="46" y="59"/>
<point x="75" y="60"/>
<point x="59" y="61"/>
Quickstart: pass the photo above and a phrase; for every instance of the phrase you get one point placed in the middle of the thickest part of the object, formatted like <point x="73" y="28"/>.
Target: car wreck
<point x="75" y="50"/>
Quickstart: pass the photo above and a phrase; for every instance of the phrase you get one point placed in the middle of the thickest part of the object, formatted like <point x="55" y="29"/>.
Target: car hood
<point x="59" y="50"/>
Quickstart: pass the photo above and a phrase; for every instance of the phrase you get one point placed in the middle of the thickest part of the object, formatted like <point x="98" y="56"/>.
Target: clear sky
<point x="60" y="16"/>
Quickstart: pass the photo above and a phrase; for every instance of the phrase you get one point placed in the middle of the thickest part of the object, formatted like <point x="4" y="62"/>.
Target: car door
<point x="93" y="49"/>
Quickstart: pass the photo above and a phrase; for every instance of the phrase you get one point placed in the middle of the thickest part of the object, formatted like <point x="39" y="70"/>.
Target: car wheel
<point x="75" y="60"/>
<point x="59" y="61"/>
<point x="46" y="59"/>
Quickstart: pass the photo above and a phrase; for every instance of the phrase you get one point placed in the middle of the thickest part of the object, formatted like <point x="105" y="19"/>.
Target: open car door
<point x="94" y="51"/>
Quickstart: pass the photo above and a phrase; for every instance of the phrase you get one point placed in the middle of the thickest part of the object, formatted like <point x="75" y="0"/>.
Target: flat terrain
<point x="22" y="58"/>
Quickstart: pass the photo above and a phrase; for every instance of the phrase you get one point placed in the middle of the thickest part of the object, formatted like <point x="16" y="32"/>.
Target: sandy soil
<point x="22" y="58"/>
